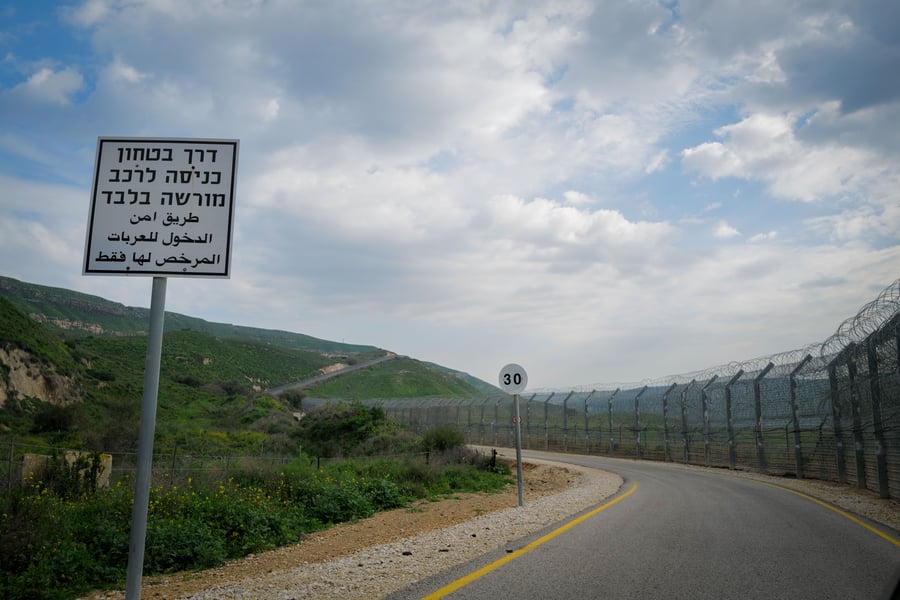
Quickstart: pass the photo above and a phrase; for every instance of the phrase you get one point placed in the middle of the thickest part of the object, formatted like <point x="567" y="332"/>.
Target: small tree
<point x="293" y="398"/>
<point x="442" y="438"/>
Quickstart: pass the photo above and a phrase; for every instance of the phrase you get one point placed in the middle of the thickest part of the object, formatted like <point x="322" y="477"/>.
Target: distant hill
<point x="71" y="374"/>
<point x="215" y="394"/>
<point x="403" y="377"/>
<point x="76" y="312"/>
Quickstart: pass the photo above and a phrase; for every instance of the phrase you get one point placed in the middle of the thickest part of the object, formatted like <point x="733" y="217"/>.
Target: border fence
<point x="828" y="411"/>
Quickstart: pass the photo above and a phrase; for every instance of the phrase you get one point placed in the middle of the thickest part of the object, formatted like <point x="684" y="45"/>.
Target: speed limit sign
<point x="513" y="379"/>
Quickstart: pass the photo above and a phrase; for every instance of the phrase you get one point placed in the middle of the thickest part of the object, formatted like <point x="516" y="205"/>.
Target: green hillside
<point x="17" y="330"/>
<point x="401" y="378"/>
<point x="79" y="313"/>
<point x="213" y="388"/>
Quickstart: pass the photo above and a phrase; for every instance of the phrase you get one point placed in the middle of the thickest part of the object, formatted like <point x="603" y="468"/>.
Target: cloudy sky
<point x="600" y="191"/>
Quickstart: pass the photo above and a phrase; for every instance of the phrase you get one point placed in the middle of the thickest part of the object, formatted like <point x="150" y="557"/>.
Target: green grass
<point x="56" y="547"/>
<point x="401" y="378"/>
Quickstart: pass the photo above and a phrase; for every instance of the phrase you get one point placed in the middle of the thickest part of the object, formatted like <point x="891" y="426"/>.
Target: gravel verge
<point x="376" y="571"/>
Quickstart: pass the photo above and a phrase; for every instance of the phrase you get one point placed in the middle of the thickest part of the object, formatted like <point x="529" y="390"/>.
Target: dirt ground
<point x="385" y="527"/>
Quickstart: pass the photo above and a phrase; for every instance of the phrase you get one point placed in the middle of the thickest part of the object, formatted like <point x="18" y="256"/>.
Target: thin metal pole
<point x="637" y="423"/>
<point x="704" y="405"/>
<point x="729" y="419"/>
<point x="858" y="444"/>
<point x="519" y="451"/>
<point x="877" y="420"/>
<point x="837" y="415"/>
<point x="757" y="404"/>
<point x="685" y="447"/>
<point x="795" y="416"/>
<point x="145" y="442"/>
<point x="666" y="454"/>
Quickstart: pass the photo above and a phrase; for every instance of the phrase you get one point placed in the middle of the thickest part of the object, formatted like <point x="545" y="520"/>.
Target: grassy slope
<point x="58" y="303"/>
<point x="400" y="378"/>
<point x="209" y="391"/>
<point x="18" y="330"/>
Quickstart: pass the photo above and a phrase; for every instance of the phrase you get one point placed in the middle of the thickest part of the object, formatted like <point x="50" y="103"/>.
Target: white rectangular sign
<point x="162" y="207"/>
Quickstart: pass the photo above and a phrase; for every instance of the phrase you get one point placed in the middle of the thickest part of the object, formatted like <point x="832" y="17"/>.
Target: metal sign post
<point x="513" y="380"/>
<point x="145" y="442"/>
<point x="159" y="207"/>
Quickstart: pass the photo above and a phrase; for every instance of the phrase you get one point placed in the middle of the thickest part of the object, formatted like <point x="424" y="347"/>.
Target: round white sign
<point x="513" y="379"/>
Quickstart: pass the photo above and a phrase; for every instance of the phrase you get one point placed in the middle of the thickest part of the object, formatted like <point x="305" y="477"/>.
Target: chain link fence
<point x="167" y="467"/>
<point x="828" y="411"/>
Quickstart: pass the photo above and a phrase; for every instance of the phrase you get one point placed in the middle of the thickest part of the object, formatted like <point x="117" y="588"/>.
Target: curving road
<point x="678" y="533"/>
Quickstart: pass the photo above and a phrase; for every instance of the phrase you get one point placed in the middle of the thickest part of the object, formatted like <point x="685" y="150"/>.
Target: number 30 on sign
<point x="513" y="379"/>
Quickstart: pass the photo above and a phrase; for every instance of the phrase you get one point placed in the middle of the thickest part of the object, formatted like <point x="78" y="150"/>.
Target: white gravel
<point x="377" y="571"/>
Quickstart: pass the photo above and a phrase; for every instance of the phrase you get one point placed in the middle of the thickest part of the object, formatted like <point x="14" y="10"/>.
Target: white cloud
<point x="723" y="231"/>
<point x="764" y="147"/>
<point x="577" y="198"/>
<point x="762" y="237"/>
<point x="464" y="182"/>
<point x="54" y="87"/>
<point x="90" y="13"/>
<point x="119" y="71"/>
<point x="657" y="162"/>
<point x="269" y="110"/>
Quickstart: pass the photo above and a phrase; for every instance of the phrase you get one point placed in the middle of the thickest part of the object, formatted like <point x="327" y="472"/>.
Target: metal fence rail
<point x="828" y="411"/>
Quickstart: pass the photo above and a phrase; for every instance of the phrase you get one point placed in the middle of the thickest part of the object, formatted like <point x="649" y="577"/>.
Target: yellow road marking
<point x="844" y="514"/>
<point x="464" y="581"/>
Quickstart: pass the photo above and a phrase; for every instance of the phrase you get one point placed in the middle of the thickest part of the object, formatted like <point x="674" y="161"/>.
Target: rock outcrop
<point x="24" y="375"/>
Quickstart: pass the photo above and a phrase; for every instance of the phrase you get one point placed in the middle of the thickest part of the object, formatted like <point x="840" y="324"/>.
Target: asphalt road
<point x="686" y="534"/>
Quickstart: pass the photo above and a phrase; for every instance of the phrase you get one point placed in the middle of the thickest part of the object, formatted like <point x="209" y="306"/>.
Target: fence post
<point x="637" y="423"/>
<point x="729" y="419"/>
<point x="858" y="446"/>
<point x="469" y="420"/>
<point x="877" y="423"/>
<point x="667" y="455"/>
<point x="566" y="421"/>
<point x="836" y="414"/>
<point x="795" y="414"/>
<point x="547" y="421"/>
<point x="685" y="448"/>
<point x="612" y="436"/>
<point x="481" y="425"/>
<point x="897" y="352"/>
<point x="587" y="435"/>
<point x="496" y="424"/>
<point x="704" y="405"/>
<point x="757" y="402"/>
<point x="528" y="421"/>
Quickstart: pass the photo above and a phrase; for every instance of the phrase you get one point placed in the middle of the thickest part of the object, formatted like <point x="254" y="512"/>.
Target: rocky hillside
<point x="33" y="363"/>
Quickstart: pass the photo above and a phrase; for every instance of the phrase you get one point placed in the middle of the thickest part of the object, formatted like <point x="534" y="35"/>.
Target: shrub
<point x="338" y="429"/>
<point x="442" y="438"/>
<point x="52" y="547"/>
<point x="73" y="476"/>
